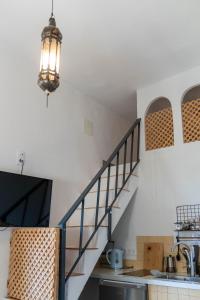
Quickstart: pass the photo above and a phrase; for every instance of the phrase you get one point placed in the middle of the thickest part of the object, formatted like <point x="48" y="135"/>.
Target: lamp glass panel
<point x="58" y="58"/>
<point x="45" y="55"/>
<point x="52" y="55"/>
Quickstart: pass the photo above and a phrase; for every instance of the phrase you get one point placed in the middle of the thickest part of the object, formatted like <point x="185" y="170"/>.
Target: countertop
<point x="110" y="274"/>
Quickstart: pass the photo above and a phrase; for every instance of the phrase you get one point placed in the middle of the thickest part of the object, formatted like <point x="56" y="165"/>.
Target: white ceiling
<point x="110" y="47"/>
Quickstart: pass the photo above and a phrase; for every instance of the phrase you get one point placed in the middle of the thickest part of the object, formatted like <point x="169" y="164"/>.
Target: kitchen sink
<point x="179" y="278"/>
<point x="138" y="273"/>
<point x="164" y="276"/>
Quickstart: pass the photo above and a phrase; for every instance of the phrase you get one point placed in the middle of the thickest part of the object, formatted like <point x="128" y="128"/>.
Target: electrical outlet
<point x="20" y="158"/>
<point x="130" y="252"/>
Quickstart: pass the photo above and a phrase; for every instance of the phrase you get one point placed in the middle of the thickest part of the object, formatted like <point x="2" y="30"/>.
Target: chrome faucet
<point x="186" y="254"/>
<point x="190" y="254"/>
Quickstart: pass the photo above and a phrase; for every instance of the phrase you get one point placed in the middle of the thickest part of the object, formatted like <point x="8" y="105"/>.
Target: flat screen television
<point x="24" y="200"/>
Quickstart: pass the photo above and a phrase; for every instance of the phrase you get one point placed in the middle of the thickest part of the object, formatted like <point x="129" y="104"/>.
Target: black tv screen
<point x="24" y="200"/>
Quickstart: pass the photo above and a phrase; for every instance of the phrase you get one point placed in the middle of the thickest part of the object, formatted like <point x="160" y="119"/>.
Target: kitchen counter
<point x="107" y="273"/>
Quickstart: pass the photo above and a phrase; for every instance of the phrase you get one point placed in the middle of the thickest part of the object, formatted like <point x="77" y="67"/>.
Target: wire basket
<point x="188" y="217"/>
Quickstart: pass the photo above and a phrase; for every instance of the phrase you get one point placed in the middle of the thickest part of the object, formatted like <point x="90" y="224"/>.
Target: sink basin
<point x="138" y="273"/>
<point x="179" y="278"/>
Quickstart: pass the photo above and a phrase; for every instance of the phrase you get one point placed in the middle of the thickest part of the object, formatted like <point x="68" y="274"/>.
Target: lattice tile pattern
<point x="159" y="130"/>
<point x="34" y="261"/>
<point x="191" y="121"/>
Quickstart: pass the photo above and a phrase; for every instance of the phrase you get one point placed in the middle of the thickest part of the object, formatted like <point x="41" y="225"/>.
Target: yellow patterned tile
<point x="168" y="242"/>
<point x="194" y="293"/>
<point x="172" y="297"/>
<point x="153" y="296"/>
<point x="183" y="292"/>
<point x="184" y="297"/>
<point x="162" y="289"/>
<point x="172" y="290"/>
<point x="162" y="296"/>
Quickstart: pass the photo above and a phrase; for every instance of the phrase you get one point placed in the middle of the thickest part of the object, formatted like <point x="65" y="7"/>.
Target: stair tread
<point x="77" y="248"/>
<point x="85" y="226"/>
<point x="119" y="175"/>
<point x="94" y="207"/>
<point x="126" y="190"/>
<point x="74" y="274"/>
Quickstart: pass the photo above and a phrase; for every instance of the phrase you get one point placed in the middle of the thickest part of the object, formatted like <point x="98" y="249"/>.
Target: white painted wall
<point x="53" y="139"/>
<point x="167" y="177"/>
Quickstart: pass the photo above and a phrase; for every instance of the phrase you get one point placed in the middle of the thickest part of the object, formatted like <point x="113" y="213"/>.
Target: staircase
<point x="88" y="225"/>
<point x="55" y="263"/>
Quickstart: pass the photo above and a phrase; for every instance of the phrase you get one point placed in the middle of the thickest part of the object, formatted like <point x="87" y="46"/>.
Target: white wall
<point x="168" y="177"/>
<point x="53" y="139"/>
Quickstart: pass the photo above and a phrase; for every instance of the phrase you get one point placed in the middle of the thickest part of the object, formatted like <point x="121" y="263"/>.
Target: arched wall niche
<point x="159" y="129"/>
<point x="192" y="93"/>
<point x="190" y="107"/>
<point x="158" y="104"/>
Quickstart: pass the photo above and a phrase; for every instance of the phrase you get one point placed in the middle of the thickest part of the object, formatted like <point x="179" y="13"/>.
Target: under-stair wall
<point x="76" y="284"/>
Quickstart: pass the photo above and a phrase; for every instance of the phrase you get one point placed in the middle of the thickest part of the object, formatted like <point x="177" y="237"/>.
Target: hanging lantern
<point x="50" y="57"/>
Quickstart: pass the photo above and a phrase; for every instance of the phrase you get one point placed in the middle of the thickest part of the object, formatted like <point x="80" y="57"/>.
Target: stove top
<point x="138" y="273"/>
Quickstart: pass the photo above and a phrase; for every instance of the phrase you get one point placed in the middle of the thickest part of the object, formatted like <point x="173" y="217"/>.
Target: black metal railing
<point x="124" y="153"/>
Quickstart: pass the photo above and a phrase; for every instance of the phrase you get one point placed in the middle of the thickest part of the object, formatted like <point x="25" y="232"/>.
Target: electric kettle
<point x="115" y="258"/>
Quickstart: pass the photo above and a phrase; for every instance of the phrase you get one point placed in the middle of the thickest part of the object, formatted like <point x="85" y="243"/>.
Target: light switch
<point x="88" y="127"/>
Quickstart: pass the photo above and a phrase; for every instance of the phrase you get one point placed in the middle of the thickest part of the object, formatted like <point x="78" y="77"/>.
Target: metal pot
<point x="170" y="264"/>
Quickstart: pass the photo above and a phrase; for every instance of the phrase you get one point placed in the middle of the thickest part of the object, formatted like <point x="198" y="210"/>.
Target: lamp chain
<point x="52" y="8"/>
<point x="47" y="100"/>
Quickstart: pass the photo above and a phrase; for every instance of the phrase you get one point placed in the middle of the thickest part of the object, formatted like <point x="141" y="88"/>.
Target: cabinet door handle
<point x="122" y="284"/>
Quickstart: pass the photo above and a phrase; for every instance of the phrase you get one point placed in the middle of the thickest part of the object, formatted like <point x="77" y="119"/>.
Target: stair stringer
<point x="76" y="284"/>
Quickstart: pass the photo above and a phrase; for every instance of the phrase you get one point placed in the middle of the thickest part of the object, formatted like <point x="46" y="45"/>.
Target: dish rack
<point x="188" y="218"/>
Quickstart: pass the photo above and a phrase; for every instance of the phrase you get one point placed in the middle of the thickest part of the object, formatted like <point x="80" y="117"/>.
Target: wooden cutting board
<point x="153" y="256"/>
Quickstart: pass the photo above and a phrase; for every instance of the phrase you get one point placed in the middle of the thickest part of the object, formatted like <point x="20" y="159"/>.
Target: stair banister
<point x="98" y="175"/>
<point x="108" y="209"/>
